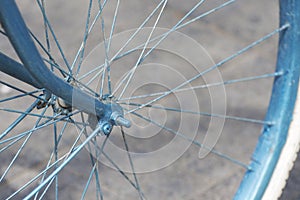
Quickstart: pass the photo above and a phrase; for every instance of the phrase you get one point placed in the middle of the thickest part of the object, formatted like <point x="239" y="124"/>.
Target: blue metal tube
<point x="19" y="37"/>
<point x="17" y="70"/>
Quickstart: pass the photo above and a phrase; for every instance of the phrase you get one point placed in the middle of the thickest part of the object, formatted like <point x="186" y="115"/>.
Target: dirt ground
<point x="184" y="177"/>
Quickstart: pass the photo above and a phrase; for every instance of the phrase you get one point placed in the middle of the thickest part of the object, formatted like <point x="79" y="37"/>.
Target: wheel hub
<point x="113" y="113"/>
<point x="114" y="116"/>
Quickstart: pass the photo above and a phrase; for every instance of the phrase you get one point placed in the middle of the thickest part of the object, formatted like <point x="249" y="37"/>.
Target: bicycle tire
<point x="286" y="130"/>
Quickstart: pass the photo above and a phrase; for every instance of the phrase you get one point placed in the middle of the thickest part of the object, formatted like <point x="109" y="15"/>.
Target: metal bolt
<point x="119" y="120"/>
<point x="44" y="99"/>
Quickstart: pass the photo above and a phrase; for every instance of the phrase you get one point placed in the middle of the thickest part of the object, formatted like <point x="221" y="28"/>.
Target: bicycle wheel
<point x="178" y="82"/>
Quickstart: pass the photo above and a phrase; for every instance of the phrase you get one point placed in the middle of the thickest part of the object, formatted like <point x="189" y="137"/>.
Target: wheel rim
<point x="280" y="110"/>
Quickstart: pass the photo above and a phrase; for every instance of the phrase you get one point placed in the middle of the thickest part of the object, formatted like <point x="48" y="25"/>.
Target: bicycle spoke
<point x="89" y="31"/>
<point x="25" y="113"/>
<point x="128" y="41"/>
<point x="55" y="177"/>
<point x="21" y="148"/>
<point x="121" y="172"/>
<point x="172" y="29"/>
<point x="252" y="78"/>
<point x="19" y="96"/>
<point x="95" y="169"/>
<point x="56" y="142"/>
<point x="97" y="75"/>
<point x="42" y="125"/>
<point x="221" y="155"/>
<point x="85" y="86"/>
<point x="113" y="25"/>
<point x="18" y="120"/>
<point x="54" y="155"/>
<point x="70" y="156"/>
<point x="49" y="183"/>
<point x="52" y="61"/>
<point x="159" y="37"/>
<point x="94" y="163"/>
<point x="15" y="140"/>
<point x="82" y="131"/>
<point x="22" y="91"/>
<point x="46" y="33"/>
<point x="72" y="149"/>
<point x="54" y="36"/>
<point x="108" y="47"/>
<point x="31" y="114"/>
<point x="35" y="178"/>
<point x="131" y="165"/>
<point x="221" y="63"/>
<point x="46" y="189"/>
<point x="85" y="37"/>
<point x="139" y="60"/>
<point x="11" y="127"/>
<point x="106" y="64"/>
<point x="118" y="55"/>
<point x="100" y="151"/>
<point x="40" y="174"/>
<point x="204" y="114"/>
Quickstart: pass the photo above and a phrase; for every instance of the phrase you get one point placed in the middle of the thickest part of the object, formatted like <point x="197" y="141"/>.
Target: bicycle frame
<point x="34" y="71"/>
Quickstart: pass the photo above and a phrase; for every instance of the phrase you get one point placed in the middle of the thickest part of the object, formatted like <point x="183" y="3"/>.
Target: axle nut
<point x="106" y="128"/>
